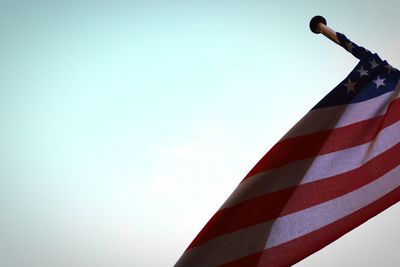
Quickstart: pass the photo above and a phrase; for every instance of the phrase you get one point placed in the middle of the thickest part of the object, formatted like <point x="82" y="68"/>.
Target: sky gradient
<point x="124" y="125"/>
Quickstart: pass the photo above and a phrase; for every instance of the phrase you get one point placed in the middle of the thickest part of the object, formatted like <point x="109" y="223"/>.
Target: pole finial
<point x="314" y="24"/>
<point x="318" y="25"/>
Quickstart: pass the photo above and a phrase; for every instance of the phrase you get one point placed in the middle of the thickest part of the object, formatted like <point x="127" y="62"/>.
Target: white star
<point x="349" y="47"/>
<point x="390" y="68"/>
<point x="379" y="82"/>
<point x="362" y="72"/>
<point x="374" y="64"/>
<point x="350" y="86"/>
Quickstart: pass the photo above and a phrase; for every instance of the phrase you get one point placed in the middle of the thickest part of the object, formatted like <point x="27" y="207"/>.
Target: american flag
<point x="336" y="168"/>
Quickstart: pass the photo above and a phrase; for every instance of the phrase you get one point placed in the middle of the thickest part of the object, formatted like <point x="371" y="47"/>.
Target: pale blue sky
<point x="124" y="125"/>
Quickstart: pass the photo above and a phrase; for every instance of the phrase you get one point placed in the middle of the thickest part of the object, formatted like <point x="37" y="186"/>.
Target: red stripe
<point x="280" y="203"/>
<point x="297" y="249"/>
<point x="311" y="145"/>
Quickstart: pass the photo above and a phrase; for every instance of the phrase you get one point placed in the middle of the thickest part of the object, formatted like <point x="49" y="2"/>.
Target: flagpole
<point x="318" y="25"/>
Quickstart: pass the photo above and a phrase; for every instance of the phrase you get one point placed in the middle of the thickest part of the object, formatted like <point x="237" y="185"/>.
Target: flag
<point x="336" y="168"/>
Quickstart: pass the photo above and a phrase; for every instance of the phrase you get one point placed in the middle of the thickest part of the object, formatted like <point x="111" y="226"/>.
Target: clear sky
<point x="124" y="125"/>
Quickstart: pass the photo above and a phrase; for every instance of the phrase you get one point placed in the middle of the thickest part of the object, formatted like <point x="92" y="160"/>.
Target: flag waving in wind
<point x="336" y="168"/>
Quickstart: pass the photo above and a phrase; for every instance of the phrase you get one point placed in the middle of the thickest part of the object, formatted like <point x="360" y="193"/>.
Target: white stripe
<point x="314" y="169"/>
<point x="227" y="248"/>
<point x="297" y="224"/>
<point x="286" y="228"/>
<point x="339" y="116"/>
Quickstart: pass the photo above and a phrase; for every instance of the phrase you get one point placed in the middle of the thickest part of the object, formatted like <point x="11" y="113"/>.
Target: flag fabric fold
<point x="336" y="168"/>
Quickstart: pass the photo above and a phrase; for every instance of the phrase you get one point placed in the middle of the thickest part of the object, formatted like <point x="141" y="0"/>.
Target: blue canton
<point x="370" y="78"/>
